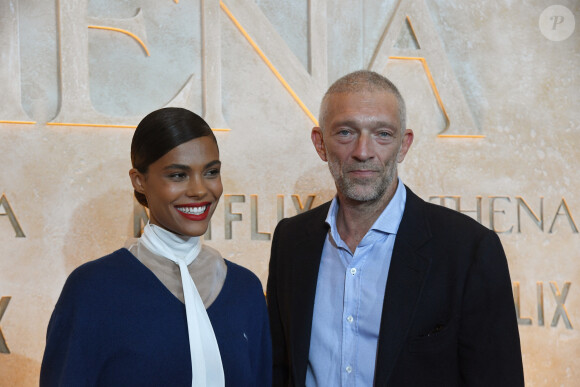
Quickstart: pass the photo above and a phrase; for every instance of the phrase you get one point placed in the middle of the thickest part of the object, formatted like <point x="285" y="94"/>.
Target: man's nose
<point x="363" y="147"/>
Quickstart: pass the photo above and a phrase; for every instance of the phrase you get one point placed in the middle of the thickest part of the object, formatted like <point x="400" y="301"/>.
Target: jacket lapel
<point x="405" y="281"/>
<point x="308" y="252"/>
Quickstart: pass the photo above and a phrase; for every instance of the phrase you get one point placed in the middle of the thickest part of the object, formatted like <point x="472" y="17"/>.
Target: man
<point x="379" y="287"/>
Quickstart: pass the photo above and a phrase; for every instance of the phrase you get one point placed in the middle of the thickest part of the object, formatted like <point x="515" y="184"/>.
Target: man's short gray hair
<point x="363" y="81"/>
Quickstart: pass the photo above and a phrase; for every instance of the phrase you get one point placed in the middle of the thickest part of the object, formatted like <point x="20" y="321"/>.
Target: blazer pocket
<point x="440" y="338"/>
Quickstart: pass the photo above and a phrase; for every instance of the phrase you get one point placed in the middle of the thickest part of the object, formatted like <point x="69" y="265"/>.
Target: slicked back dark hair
<point x="161" y="131"/>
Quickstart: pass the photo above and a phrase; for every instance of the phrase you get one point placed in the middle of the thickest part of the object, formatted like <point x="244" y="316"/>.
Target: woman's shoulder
<point x="241" y="284"/>
<point x="109" y="263"/>
<point x="100" y="273"/>
<point x="242" y="296"/>
<point x="242" y="274"/>
<point x="235" y="272"/>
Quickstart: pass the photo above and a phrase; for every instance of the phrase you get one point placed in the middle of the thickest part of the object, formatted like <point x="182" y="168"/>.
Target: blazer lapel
<point x="307" y="252"/>
<point x="407" y="274"/>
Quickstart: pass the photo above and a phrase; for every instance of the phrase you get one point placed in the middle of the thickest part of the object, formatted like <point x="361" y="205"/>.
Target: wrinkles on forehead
<point x="328" y="113"/>
<point x="363" y="81"/>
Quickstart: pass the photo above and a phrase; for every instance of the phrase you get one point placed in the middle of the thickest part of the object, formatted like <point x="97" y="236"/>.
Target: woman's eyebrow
<point x="213" y="163"/>
<point x="184" y="167"/>
<point x="178" y="166"/>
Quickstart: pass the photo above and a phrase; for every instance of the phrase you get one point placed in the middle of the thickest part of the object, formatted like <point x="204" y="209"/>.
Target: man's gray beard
<point x="352" y="190"/>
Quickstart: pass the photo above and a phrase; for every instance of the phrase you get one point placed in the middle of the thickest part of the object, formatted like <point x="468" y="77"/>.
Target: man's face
<point x="362" y="143"/>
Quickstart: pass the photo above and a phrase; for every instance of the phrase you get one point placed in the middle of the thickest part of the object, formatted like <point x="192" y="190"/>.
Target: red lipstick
<point x="195" y="212"/>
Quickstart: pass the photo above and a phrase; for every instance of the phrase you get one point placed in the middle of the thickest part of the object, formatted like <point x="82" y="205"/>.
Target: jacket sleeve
<point x="489" y="343"/>
<point x="65" y="357"/>
<point x="279" y="350"/>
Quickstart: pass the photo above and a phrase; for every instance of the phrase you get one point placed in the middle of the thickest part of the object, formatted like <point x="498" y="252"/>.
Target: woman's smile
<point x="197" y="211"/>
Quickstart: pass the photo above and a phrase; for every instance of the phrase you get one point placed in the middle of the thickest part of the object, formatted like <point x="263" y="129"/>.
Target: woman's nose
<point x="196" y="187"/>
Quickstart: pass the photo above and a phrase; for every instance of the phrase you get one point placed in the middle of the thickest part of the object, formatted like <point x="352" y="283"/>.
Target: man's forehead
<point x="352" y="101"/>
<point x="374" y="108"/>
<point x="387" y="97"/>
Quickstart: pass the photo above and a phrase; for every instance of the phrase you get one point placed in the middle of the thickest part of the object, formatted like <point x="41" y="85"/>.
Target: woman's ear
<point x="138" y="180"/>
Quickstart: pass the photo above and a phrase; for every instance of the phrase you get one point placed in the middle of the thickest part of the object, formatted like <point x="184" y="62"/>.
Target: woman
<point x="121" y="319"/>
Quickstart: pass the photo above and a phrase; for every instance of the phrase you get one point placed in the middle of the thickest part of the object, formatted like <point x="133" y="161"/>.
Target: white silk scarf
<point x="206" y="364"/>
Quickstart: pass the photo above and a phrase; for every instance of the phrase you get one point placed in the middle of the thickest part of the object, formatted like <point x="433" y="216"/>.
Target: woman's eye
<point x="177" y="176"/>
<point x="212" y="172"/>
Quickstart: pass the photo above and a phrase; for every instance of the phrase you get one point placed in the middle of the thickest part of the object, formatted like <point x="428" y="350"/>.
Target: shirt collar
<point x="389" y="220"/>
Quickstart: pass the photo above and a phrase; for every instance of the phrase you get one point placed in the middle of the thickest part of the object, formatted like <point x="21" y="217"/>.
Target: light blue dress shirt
<point x="349" y="300"/>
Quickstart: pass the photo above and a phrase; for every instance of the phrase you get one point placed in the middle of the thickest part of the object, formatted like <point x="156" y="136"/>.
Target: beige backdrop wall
<point x="493" y="97"/>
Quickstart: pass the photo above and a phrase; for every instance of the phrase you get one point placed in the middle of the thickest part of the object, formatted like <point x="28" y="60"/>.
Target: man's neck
<point x="354" y="218"/>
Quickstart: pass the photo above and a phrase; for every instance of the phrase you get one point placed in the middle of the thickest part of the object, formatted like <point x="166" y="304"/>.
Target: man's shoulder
<point x="441" y="218"/>
<point x="315" y="214"/>
<point x="307" y="225"/>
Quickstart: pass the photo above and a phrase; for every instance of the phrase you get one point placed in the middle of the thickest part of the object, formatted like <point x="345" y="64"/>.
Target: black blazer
<point x="448" y="313"/>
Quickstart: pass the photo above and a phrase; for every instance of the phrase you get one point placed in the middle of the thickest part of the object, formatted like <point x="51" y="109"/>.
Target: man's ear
<point x="318" y="141"/>
<point x="137" y="179"/>
<point x="408" y="137"/>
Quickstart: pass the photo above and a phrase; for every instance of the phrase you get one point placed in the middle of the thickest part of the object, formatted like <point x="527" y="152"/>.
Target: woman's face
<point x="183" y="187"/>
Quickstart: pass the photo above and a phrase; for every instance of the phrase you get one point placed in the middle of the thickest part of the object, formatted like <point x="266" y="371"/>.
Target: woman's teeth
<point x="192" y="210"/>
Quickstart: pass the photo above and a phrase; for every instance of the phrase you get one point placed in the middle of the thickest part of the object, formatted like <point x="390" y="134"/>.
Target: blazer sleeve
<point x="489" y="343"/>
<point x="281" y="370"/>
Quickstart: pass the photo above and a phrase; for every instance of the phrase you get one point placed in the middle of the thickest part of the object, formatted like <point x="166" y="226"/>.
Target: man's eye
<point x="344" y="132"/>
<point x="384" y="134"/>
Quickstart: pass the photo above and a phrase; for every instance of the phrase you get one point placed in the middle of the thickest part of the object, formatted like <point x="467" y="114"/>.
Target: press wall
<point x="492" y="91"/>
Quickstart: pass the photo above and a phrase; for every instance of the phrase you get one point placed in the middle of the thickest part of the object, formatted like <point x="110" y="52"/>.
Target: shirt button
<point x="348" y="369"/>
<point x="349" y="319"/>
<point x="353" y="271"/>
